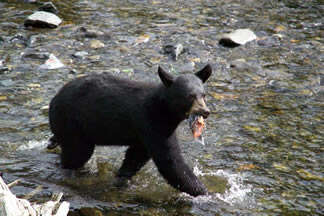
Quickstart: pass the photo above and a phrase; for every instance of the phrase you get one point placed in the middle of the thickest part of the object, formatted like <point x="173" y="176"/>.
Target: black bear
<point x="102" y="109"/>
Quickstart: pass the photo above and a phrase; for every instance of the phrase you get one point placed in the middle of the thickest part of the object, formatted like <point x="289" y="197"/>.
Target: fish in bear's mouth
<point x="197" y="125"/>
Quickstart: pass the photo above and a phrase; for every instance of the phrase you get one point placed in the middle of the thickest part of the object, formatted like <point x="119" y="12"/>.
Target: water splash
<point x="33" y="144"/>
<point x="237" y="194"/>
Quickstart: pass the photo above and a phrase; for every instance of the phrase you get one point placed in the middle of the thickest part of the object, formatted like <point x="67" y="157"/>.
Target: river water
<point x="263" y="151"/>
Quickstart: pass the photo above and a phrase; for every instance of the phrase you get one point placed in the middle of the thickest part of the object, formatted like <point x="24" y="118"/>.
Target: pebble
<point x="48" y="7"/>
<point x="96" y="44"/>
<point x="34" y="40"/>
<point x="83" y="32"/>
<point x="36" y="55"/>
<point x="9" y="25"/>
<point x="80" y="54"/>
<point x="18" y="38"/>
<point x="43" y="19"/>
<point x="3" y="69"/>
<point x="52" y="63"/>
<point x="6" y="83"/>
<point x="237" y="37"/>
<point x="241" y="65"/>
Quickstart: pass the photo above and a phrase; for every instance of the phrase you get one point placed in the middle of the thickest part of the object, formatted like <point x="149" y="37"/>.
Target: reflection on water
<point x="263" y="151"/>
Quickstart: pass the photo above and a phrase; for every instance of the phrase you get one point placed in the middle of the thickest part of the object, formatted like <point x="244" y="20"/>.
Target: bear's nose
<point x="205" y="113"/>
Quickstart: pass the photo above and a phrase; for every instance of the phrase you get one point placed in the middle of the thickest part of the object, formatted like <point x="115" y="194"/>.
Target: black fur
<point x="102" y="109"/>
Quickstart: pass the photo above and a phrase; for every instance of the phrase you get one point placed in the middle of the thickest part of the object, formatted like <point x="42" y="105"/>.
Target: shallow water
<point x="263" y="152"/>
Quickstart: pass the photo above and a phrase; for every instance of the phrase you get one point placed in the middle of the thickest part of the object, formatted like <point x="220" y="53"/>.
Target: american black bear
<point x="102" y="109"/>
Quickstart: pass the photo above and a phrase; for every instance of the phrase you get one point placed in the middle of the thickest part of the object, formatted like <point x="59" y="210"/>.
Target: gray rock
<point x="3" y="69"/>
<point x="43" y="19"/>
<point x="32" y="54"/>
<point x="35" y="40"/>
<point x="6" y="83"/>
<point x="241" y="65"/>
<point x="83" y="32"/>
<point x="237" y="37"/>
<point x="80" y="54"/>
<point x="18" y="37"/>
<point x="48" y="7"/>
<point x="278" y="74"/>
<point x="9" y="25"/>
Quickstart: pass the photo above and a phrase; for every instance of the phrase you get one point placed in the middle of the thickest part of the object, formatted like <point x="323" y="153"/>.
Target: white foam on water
<point x="237" y="193"/>
<point x="33" y="144"/>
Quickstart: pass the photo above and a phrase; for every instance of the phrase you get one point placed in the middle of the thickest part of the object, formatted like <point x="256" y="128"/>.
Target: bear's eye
<point x="192" y="96"/>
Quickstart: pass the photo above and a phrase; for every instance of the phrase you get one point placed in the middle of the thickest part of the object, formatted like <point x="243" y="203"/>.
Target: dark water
<point x="263" y="152"/>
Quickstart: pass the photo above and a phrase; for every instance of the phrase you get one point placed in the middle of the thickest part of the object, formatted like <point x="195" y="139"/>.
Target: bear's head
<point x="185" y="94"/>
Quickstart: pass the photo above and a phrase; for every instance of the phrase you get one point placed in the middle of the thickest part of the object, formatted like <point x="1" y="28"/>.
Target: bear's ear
<point x="204" y="73"/>
<point x="165" y="77"/>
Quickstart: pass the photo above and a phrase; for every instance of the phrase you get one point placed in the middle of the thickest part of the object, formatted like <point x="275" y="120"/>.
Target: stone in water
<point x="43" y="19"/>
<point x="237" y="37"/>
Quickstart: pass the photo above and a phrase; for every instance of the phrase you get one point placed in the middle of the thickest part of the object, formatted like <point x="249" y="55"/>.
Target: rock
<point x="44" y="109"/>
<point x="142" y="39"/>
<point x="36" y="55"/>
<point x="3" y="69"/>
<point x="241" y="65"/>
<point x="6" y="83"/>
<point x="83" y="32"/>
<point x="1" y="40"/>
<point x="52" y="63"/>
<point x="279" y="74"/>
<point x="48" y="7"/>
<point x="272" y="41"/>
<point x="34" y="40"/>
<point x="96" y="44"/>
<point x="80" y="54"/>
<point x="173" y="50"/>
<point x="9" y="25"/>
<point x="321" y="79"/>
<point x="43" y="19"/>
<point x="18" y="38"/>
<point x="237" y="37"/>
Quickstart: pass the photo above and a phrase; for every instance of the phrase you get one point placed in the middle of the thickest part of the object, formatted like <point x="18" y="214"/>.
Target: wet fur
<point x="102" y="109"/>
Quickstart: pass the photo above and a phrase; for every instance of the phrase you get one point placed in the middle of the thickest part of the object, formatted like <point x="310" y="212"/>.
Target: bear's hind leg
<point x="76" y="153"/>
<point x="135" y="158"/>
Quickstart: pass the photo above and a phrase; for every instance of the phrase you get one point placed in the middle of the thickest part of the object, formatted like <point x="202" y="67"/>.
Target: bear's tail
<point x="53" y="143"/>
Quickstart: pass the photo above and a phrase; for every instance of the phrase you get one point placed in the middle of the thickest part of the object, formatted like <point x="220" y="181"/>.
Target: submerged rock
<point x="96" y="44"/>
<point x="80" y="54"/>
<point x="48" y="7"/>
<point x="36" y="55"/>
<point x="84" y="32"/>
<point x="3" y="69"/>
<point x="35" y="40"/>
<point x="237" y="37"/>
<point x="43" y="19"/>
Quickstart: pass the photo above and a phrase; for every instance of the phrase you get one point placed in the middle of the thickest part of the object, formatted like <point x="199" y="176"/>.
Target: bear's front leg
<point x="167" y="156"/>
<point x="135" y="158"/>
